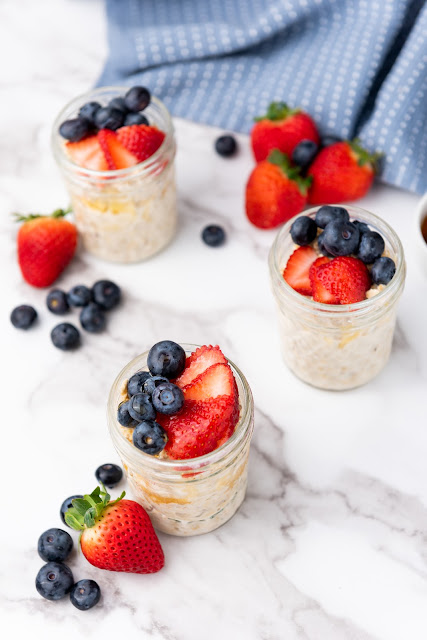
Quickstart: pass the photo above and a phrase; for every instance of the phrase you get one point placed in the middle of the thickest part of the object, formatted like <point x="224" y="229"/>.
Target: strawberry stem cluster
<point x="85" y="511"/>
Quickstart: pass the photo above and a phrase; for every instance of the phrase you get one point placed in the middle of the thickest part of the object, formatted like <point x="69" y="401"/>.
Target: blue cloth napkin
<point x="359" y="67"/>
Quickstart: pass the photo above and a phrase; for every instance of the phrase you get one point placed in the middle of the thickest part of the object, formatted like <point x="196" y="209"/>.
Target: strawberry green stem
<point x="58" y="213"/>
<point x="87" y="510"/>
<point x="277" y="111"/>
<point x="293" y="173"/>
<point x="364" y="156"/>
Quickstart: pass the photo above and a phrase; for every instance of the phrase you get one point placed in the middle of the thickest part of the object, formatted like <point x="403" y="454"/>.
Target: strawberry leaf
<point x="364" y="156"/>
<point x="277" y="111"/>
<point x="85" y="511"/>
<point x="58" y="213"/>
<point x="293" y="173"/>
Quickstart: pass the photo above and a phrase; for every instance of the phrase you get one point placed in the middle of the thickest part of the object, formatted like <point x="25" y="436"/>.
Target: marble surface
<point x="330" y="543"/>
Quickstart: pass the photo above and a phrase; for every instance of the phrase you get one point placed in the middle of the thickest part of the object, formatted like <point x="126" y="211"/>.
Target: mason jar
<point x="125" y="215"/>
<point x="337" y="346"/>
<point x="192" y="496"/>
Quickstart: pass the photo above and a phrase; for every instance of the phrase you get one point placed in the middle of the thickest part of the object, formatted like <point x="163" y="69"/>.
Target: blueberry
<point x="107" y="118"/>
<point x="118" y="103"/>
<point x="213" y="235"/>
<point x="140" y="407"/>
<point x="328" y="140"/>
<point x="55" y="545"/>
<point x="75" y="129"/>
<point x="371" y="247"/>
<point x="383" y="270"/>
<point x="23" y="317"/>
<point x="57" y="302"/>
<point x="85" y="594"/>
<point x="65" y="336"/>
<point x="321" y="246"/>
<point x="363" y="228"/>
<point x="150" y="437"/>
<point x="92" y="318"/>
<point x="137" y="98"/>
<point x="106" y="293"/>
<point x="89" y="111"/>
<point x="303" y="230"/>
<point x="79" y="296"/>
<point x="54" y="581"/>
<point x="152" y="382"/>
<point x="167" y="398"/>
<point x="327" y="213"/>
<point x="123" y="416"/>
<point x="135" y="118"/>
<point x="166" y="358"/>
<point x="67" y="505"/>
<point x="304" y="153"/>
<point x="109" y="474"/>
<point x="136" y="382"/>
<point x="341" y="238"/>
<point x="226" y="146"/>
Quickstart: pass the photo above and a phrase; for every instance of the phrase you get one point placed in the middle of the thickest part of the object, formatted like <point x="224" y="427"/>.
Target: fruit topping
<point x="54" y="581"/>
<point x="75" y="129"/>
<point x="85" y="594"/>
<point x="200" y="360"/>
<point x="304" y="154"/>
<point x="327" y="213"/>
<point x="79" y="296"/>
<point x="54" y="545"/>
<point x="320" y="293"/>
<point x="135" y="118"/>
<point x="67" y="505"/>
<point x="296" y="272"/>
<point x="118" y="103"/>
<point x="213" y="235"/>
<point x="226" y="146"/>
<point x="140" y="140"/>
<point x="152" y="382"/>
<point x="383" y="270"/>
<point x="303" y="230"/>
<point x="346" y="278"/>
<point x="150" y="437"/>
<point x="123" y="416"/>
<point x="167" y="398"/>
<point x="23" y="317"/>
<point x="137" y="98"/>
<point x="167" y="359"/>
<point x="109" y="118"/>
<point x="371" y="247"/>
<point x="92" y="318"/>
<point x="106" y="294"/>
<point x="217" y="380"/>
<point x="363" y="228"/>
<point x="57" y="302"/>
<point x="140" y="407"/>
<point x="87" y="153"/>
<point x="340" y="238"/>
<point x="88" y="111"/>
<point x="116" y="155"/>
<point x="136" y="382"/>
<point x="65" y="336"/>
<point x="109" y="474"/>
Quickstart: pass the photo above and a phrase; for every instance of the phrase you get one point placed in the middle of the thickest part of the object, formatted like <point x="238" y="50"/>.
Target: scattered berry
<point x="167" y="359"/>
<point x="89" y="110"/>
<point x="213" y="235"/>
<point x="140" y="407"/>
<point x="167" y="398"/>
<point x="303" y="230"/>
<point x="54" y="545"/>
<point x="327" y="213"/>
<point x="152" y="382"/>
<point x="135" y="118"/>
<point x="346" y="278"/>
<point x="92" y="318"/>
<point x="137" y="99"/>
<point x="296" y="272"/>
<point x="150" y="437"/>
<point x="106" y="293"/>
<point x="54" y="581"/>
<point x="85" y="594"/>
<point x="341" y="238"/>
<point x="371" y="247"/>
<point x="140" y="140"/>
<point x="109" y="474"/>
<point x="23" y="317"/>
<point x="65" y="336"/>
<point x="109" y="118"/>
<point x="123" y="416"/>
<point x="226" y="146"/>
<point x="87" y="153"/>
<point x="136" y="382"/>
<point x="79" y="296"/>
<point x="383" y="270"/>
<point x="304" y="153"/>
<point x="75" y="129"/>
<point x="57" y="302"/>
<point x="67" y="504"/>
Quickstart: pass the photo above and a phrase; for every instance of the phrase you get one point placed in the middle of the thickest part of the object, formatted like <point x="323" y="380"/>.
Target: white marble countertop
<point x="330" y="543"/>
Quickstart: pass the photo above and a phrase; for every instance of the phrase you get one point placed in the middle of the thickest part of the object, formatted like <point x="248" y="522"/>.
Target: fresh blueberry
<point x="109" y="118"/>
<point x="140" y="407"/>
<point x="79" y="296"/>
<point x="341" y="238"/>
<point x="327" y="213"/>
<point x="55" y="545"/>
<point x="65" y="336"/>
<point x="304" y="153"/>
<point x="118" y="103"/>
<point x="136" y="382"/>
<point x="226" y="146"/>
<point x="23" y="317"/>
<point x="57" y="302"/>
<point x="85" y="594"/>
<point x="327" y="141"/>
<point x="383" y="270"/>
<point x="321" y="246"/>
<point x="67" y="504"/>
<point x="106" y="293"/>
<point x="109" y="474"/>
<point x="362" y="226"/>
<point x="54" y="581"/>
<point x="167" y="398"/>
<point x="371" y="247"/>
<point x="150" y="437"/>
<point x="137" y="98"/>
<point x="92" y="318"/>
<point x="123" y="416"/>
<point x="75" y="129"/>
<point x="303" y="230"/>
<point x="166" y="358"/>
<point x="152" y="382"/>
<point x="213" y="235"/>
<point x="89" y="111"/>
<point x="135" y="118"/>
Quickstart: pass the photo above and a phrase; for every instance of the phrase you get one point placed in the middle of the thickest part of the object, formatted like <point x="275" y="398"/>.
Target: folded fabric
<point x="357" y="66"/>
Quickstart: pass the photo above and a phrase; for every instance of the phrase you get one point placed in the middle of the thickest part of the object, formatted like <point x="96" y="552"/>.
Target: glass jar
<point x="336" y="346"/>
<point x="126" y="215"/>
<point x="185" y="497"/>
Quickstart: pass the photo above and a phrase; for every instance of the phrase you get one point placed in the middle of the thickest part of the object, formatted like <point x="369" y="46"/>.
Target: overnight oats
<point x="181" y="419"/>
<point x="115" y="148"/>
<point x="337" y="275"/>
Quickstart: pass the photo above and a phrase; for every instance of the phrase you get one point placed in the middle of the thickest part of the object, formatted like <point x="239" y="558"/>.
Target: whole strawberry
<point x="46" y="245"/>
<point x="341" y="172"/>
<point x="115" y="535"/>
<point x="281" y="128"/>
<point x="275" y="191"/>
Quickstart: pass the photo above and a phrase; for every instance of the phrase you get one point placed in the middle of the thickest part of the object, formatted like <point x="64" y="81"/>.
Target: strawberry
<point x="200" y="360"/>
<point x="141" y="140"/>
<point x="116" y="155"/>
<point x="281" y="128"/>
<point x="319" y="292"/>
<point x="217" y="380"/>
<point x="341" y="172"/>
<point x="46" y="245"/>
<point x="87" y="153"/>
<point x="115" y="535"/>
<point x="346" y="278"/>
<point x="275" y="191"/>
<point x="296" y="272"/>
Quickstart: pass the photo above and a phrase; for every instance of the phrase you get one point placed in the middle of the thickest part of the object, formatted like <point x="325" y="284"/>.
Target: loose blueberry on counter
<point x="54" y="581"/>
<point x="54" y="545"/>
<point x="341" y="238"/>
<point x="118" y="103"/>
<point x="140" y="407"/>
<point x="123" y="416"/>
<point x="57" y="302"/>
<point x="67" y="504"/>
<point x="226" y="146"/>
<point x="304" y="153"/>
<point x="89" y="110"/>
<point x="168" y="398"/>
<point x="362" y="226"/>
<point x="383" y="270"/>
<point x="109" y="118"/>
<point x="135" y="118"/>
<point x="213" y="235"/>
<point x="321" y="246"/>
<point x="137" y="98"/>
<point x="327" y="213"/>
<point x="85" y="594"/>
<point x="23" y="317"/>
<point x="75" y="129"/>
<point x="65" y="336"/>
<point x="303" y="230"/>
<point x="109" y="474"/>
<point x="92" y="318"/>
<point x="152" y="382"/>
<point x="79" y="296"/>
<point x="106" y="293"/>
<point x="371" y="247"/>
<point x="136" y="382"/>
<point x="326" y="141"/>
<point x="167" y="359"/>
<point x="150" y="437"/>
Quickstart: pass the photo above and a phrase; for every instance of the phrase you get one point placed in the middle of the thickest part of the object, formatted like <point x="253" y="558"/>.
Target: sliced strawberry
<point x="87" y="153"/>
<point x="216" y="381"/>
<point x="141" y="140"/>
<point x="116" y="155"/>
<point x="320" y="293"/>
<point x="200" y="360"/>
<point x="296" y="272"/>
<point x="346" y="278"/>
